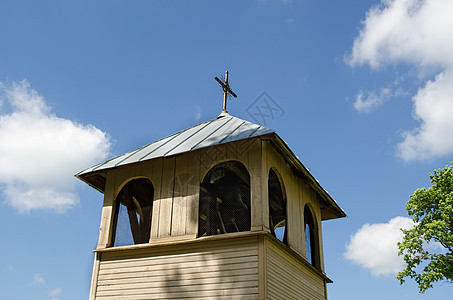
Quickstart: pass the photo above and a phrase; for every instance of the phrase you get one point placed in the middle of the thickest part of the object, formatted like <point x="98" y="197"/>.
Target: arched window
<point x="311" y="241"/>
<point x="277" y="208"/>
<point x="225" y="200"/>
<point x="133" y="212"/>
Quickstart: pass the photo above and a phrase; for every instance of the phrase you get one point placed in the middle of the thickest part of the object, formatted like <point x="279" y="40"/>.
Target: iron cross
<point x="226" y="89"/>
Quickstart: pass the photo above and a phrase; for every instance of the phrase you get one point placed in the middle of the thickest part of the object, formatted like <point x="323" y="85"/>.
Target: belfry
<point x="221" y="210"/>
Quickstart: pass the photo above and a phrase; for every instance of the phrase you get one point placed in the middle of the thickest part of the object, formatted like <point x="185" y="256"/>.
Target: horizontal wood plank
<point x="163" y="259"/>
<point x="199" y="271"/>
<point x="287" y="278"/>
<point x="147" y="297"/>
<point x="236" y="288"/>
<point x="173" y="280"/>
<point x="194" y="273"/>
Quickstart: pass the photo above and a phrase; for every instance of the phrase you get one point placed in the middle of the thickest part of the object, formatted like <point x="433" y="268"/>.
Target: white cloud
<point x="374" y="246"/>
<point x="41" y="152"/>
<point x="366" y="101"/>
<point x="38" y="279"/>
<point x="413" y="31"/>
<point x="55" y="292"/>
<point x="198" y="112"/>
<point x="433" y="104"/>
<point x="418" y="33"/>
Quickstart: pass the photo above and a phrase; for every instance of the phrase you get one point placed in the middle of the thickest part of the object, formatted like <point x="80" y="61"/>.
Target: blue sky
<point x="365" y="90"/>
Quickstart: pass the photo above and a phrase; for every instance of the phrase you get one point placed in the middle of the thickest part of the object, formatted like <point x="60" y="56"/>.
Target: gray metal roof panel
<point x="188" y="141"/>
<point x="221" y="130"/>
<point x="198" y="137"/>
<point x="217" y="135"/>
<point x="247" y="130"/>
<point x="149" y="151"/>
<point x="111" y="163"/>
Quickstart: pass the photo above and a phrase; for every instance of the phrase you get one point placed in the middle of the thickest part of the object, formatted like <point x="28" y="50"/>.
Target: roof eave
<point x="94" y="179"/>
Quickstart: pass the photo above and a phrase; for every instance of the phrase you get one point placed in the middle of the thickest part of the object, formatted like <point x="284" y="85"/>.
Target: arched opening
<point x="277" y="208"/>
<point x="311" y="240"/>
<point x="225" y="200"/>
<point x="133" y="212"/>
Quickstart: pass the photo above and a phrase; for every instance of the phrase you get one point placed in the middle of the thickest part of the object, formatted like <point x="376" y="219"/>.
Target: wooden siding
<point x="223" y="269"/>
<point x="288" y="278"/>
<point x="298" y="194"/>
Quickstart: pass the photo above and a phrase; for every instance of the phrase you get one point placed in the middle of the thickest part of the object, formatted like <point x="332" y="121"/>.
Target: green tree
<point x="432" y="212"/>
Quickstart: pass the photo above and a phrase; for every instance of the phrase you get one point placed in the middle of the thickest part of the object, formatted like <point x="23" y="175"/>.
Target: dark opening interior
<point x="133" y="212"/>
<point x="225" y="200"/>
<point x="277" y="208"/>
<point x="310" y="238"/>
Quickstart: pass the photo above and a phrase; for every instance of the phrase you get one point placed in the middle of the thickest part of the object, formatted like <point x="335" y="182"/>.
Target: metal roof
<point x="225" y="128"/>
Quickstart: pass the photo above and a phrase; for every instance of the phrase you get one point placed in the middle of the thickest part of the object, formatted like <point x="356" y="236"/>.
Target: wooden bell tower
<point x="221" y="210"/>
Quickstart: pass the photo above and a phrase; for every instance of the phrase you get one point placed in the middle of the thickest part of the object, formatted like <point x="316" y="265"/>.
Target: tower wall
<point x="288" y="277"/>
<point x="215" y="269"/>
<point x="234" y="266"/>
<point x="176" y="263"/>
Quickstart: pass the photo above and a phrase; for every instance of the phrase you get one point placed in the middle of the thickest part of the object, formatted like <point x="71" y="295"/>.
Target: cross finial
<point x="226" y="89"/>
